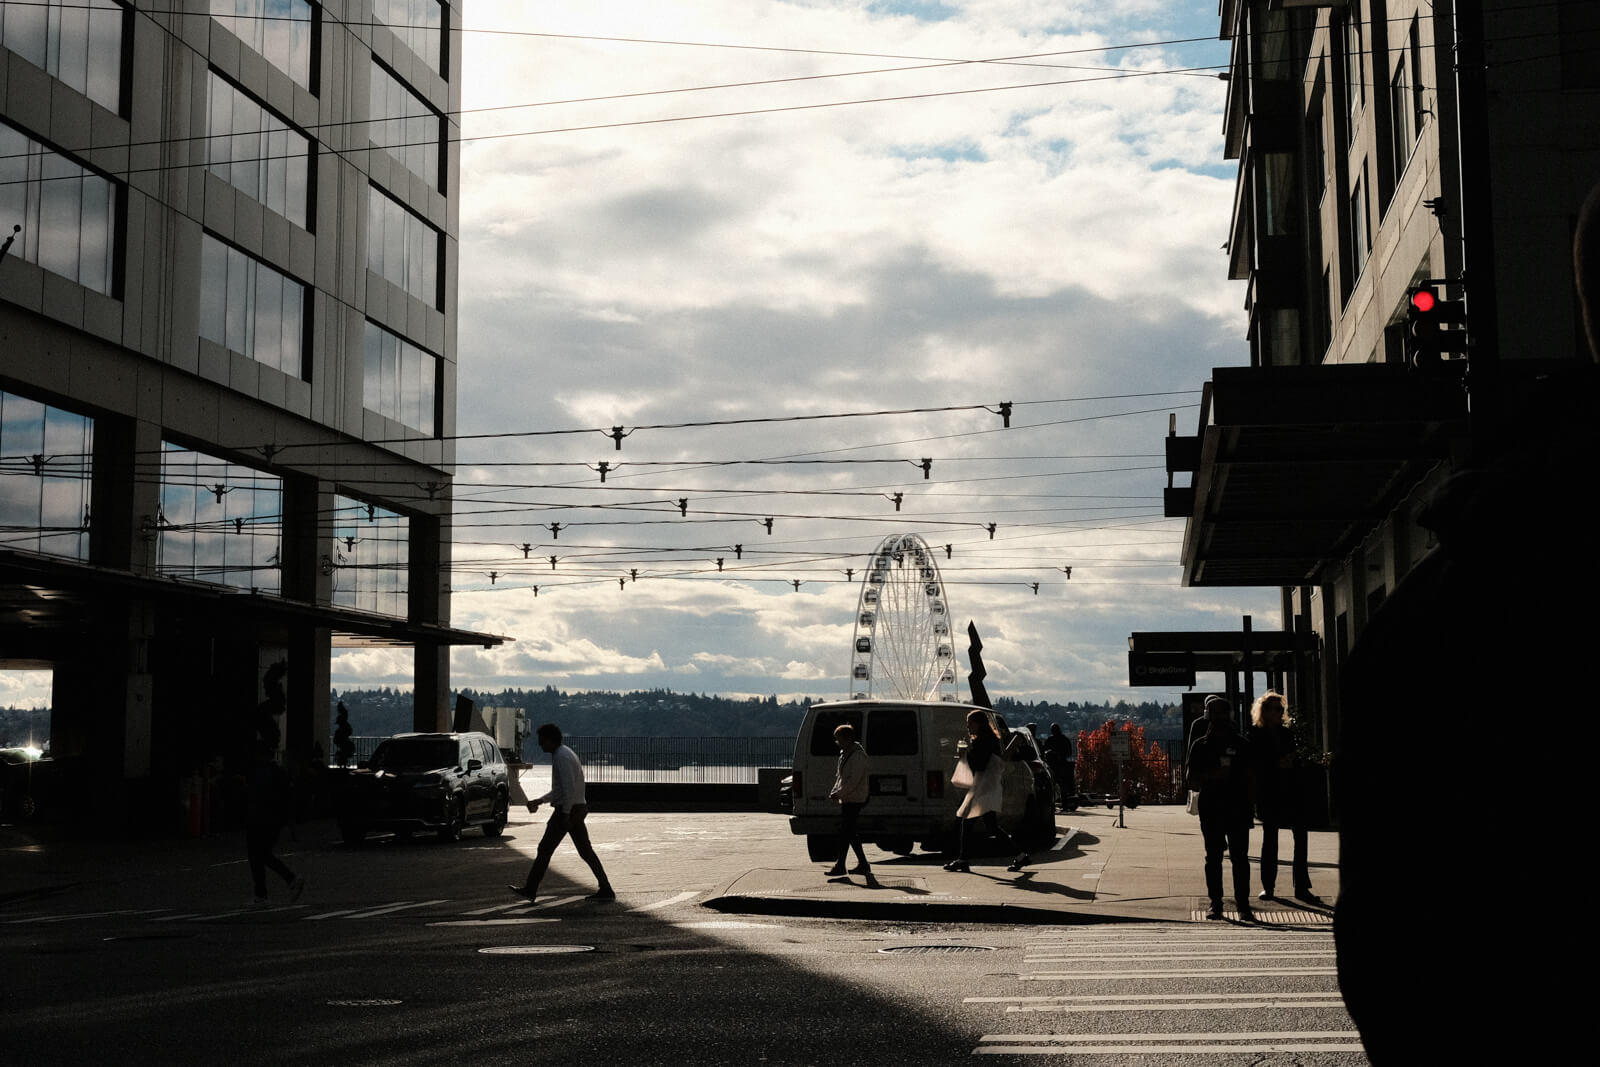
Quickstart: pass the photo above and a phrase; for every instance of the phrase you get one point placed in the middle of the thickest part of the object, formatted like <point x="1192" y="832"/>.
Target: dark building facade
<point x="227" y="367"/>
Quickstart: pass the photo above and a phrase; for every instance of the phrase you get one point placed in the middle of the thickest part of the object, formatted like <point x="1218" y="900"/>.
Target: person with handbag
<point x="985" y="763"/>
<point x="1278" y="786"/>
<point x="850" y="791"/>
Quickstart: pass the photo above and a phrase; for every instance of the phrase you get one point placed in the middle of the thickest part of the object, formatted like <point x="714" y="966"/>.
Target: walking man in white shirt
<point x="569" y="810"/>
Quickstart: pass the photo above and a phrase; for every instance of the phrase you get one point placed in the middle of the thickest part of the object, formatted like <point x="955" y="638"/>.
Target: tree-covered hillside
<point x="664" y="713"/>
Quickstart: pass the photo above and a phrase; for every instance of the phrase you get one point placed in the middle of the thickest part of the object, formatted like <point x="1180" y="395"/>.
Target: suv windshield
<point x="415" y="754"/>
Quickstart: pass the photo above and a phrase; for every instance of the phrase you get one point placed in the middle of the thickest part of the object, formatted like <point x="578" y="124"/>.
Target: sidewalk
<point x="1150" y="870"/>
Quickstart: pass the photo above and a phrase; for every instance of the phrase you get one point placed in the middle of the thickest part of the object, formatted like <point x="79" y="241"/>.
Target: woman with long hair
<point x="986" y="757"/>
<point x="1278" y="788"/>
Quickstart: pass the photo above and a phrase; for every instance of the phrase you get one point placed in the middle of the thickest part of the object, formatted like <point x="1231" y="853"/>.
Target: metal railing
<point x="691" y="760"/>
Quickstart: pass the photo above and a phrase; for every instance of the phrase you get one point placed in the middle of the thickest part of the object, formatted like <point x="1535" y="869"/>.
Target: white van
<point x="913" y="746"/>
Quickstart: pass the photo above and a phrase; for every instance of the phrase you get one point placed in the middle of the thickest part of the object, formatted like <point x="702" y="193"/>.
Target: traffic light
<point x="1427" y="317"/>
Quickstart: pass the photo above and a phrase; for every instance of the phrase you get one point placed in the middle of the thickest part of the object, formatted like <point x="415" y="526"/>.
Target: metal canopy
<point x="45" y="600"/>
<point x="1293" y="466"/>
<point x="1228" y="650"/>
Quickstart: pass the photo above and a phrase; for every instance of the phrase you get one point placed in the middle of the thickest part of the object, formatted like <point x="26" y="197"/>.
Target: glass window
<point x="46" y="459"/>
<point x="419" y="24"/>
<point x="828" y="721"/>
<point x="284" y="31"/>
<point x="1354" y="81"/>
<point x="1360" y="229"/>
<point x="400" y="380"/>
<point x="80" y="42"/>
<point x="891" y="732"/>
<point x="68" y="214"/>
<point x="220" y="522"/>
<point x="403" y="248"/>
<point x="251" y="308"/>
<point x="371" y="556"/>
<point x="1401" y="116"/>
<point x="257" y="152"/>
<point x="406" y="127"/>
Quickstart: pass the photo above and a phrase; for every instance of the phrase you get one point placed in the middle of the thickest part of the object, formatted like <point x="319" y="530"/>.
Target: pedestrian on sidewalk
<point x="850" y="791"/>
<point x="1278" y="789"/>
<point x="1058" y="757"/>
<point x="569" y="809"/>
<point x="1219" y="767"/>
<point x="986" y="758"/>
<point x="266" y="808"/>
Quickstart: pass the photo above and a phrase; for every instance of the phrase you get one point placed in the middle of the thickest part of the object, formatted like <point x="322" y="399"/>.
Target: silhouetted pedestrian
<point x="266" y="806"/>
<point x="986" y="758"/>
<point x="850" y="790"/>
<point x="1219" y="767"/>
<point x="1278" y="790"/>
<point x="571" y="809"/>
<point x="1058" y="757"/>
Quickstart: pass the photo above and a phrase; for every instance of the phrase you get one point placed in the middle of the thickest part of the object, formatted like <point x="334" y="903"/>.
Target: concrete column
<point x="431" y="696"/>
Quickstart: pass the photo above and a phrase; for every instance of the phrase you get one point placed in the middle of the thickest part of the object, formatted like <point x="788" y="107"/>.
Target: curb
<point x="908" y="911"/>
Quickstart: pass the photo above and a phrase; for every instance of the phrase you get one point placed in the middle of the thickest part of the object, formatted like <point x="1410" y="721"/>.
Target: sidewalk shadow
<point x="871" y="882"/>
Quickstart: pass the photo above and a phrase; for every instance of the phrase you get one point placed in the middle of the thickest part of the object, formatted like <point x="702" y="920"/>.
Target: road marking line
<point x="1122" y="997"/>
<point x="497" y="907"/>
<point x="375" y="912"/>
<point x="1232" y="1006"/>
<point x="175" y="918"/>
<point x="1248" y="1035"/>
<point x="1147" y="1050"/>
<point x="1271" y="972"/>
<point x="658" y="905"/>
<point x="1308" y="954"/>
<point x="86" y="915"/>
<point x="1068" y="836"/>
<point x="336" y="914"/>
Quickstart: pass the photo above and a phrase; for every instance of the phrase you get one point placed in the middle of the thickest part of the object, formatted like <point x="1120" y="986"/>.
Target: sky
<point x="711" y="222"/>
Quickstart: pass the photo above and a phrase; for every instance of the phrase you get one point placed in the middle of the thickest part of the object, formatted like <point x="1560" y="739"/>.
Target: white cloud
<point x="1032" y="244"/>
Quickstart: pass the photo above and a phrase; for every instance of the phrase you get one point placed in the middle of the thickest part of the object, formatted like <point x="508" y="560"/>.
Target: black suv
<point x="416" y="782"/>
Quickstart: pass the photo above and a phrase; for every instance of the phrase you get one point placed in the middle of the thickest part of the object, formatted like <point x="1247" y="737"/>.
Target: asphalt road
<point x="414" y="953"/>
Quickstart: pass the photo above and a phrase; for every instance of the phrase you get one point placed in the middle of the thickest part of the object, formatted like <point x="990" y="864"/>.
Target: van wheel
<point x="822" y="847"/>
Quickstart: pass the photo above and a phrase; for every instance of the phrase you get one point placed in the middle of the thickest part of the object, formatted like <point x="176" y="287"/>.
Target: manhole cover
<point x="928" y="950"/>
<point x="366" y="1002"/>
<point x="725" y="924"/>
<point x="534" y="950"/>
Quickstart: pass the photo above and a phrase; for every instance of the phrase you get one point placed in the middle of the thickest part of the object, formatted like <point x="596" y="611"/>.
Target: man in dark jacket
<point x="1219" y="767"/>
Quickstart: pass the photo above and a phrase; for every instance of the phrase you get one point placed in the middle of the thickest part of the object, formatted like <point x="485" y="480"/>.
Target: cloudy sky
<point x="750" y="214"/>
<point x="745" y="215"/>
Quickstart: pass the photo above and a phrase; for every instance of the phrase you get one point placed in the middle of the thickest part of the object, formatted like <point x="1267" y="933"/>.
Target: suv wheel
<point x="497" y="823"/>
<point x="451" y="830"/>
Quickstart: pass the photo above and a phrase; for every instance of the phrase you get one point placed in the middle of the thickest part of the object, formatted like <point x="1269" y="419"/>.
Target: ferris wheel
<point x="902" y="647"/>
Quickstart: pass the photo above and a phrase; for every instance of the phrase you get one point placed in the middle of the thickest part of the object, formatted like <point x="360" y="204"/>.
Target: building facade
<point x="227" y="366"/>
<point x="1366" y="168"/>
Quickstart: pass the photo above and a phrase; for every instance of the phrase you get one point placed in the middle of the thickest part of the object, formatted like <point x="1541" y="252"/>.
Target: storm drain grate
<point x="929" y="950"/>
<point x="1276" y="917"/>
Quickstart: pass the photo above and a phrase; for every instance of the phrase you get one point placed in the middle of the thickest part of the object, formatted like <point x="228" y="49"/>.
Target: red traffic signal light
<point x="1426" y="316"/>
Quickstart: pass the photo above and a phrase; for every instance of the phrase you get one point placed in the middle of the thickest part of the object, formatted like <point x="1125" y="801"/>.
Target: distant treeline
<point x="664" y="713"/>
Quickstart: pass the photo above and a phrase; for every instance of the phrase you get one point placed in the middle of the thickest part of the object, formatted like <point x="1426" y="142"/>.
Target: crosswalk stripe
<point x="336" y="914"/>
<point x="1068" y="1009"/>
<point x="1248" y="1035"/>
<point x="658" y="905"/>
<point x="1066" y="998"/>
<point x="374" y="912"/>
<point x="1170" y="1050"/>
<point x="1269" y="972"/>
<point x="1102" y="956"/>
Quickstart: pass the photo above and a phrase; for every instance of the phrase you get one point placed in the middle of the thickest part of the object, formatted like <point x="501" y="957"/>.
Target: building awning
<point x="1174" y="657"/>
<point x="45" y="599"/>
<point x="1294" y="466"/>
